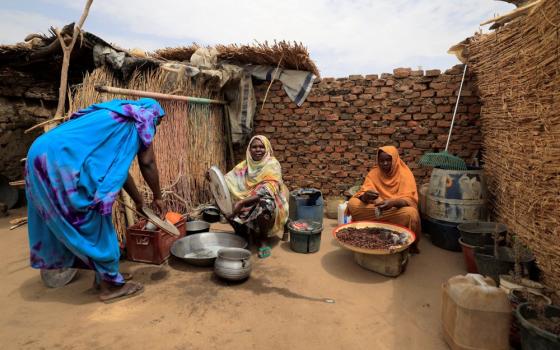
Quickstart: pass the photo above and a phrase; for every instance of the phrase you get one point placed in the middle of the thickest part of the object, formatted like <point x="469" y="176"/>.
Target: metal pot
<point x="233" y="264"/>
<point x="197" y="226"/>
<point x="211" y="214"/>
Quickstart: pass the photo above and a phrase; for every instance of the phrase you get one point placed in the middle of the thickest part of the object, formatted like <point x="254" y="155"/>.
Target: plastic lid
<point x="306" y="192"/>
<point x="475" y="292"/>
<point x="305" y="226"/>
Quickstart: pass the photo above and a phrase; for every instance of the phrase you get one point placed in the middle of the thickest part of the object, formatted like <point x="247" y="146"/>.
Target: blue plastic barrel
<point x="306" y="204"/>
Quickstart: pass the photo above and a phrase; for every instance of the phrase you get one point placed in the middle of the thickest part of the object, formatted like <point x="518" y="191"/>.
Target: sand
<point x="284" y="305"/>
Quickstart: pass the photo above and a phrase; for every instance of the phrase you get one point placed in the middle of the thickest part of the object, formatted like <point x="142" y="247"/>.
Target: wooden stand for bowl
<point x="390" y="265"/>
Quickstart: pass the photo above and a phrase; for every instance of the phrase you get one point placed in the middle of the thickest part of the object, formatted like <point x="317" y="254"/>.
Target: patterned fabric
<point x="73" y="175"/>
<point x="262" y="178"/>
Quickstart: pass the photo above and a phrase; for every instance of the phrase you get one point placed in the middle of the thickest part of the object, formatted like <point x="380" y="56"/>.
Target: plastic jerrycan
<point x="475" y="314"/>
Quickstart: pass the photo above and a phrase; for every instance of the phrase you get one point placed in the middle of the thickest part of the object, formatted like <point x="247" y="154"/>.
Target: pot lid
<point x="220" y="190"/>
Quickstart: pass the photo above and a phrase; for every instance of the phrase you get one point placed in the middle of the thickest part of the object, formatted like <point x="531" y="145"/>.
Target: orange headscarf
<point x="398" y="184"/>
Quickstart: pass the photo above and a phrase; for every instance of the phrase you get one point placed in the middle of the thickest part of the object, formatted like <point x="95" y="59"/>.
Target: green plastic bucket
<point x="305" y="236"/>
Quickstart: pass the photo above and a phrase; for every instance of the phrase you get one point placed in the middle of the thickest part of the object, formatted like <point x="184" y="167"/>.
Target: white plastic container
<point x="343" y="217"/>
<point x="476" y="315"/>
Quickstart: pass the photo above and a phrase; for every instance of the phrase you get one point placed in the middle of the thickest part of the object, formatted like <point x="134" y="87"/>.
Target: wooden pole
<point x="46" y="122"/>
<point x="513" y="14"/>
<point x="156" y="95"/>
<point x="66" y="50"/>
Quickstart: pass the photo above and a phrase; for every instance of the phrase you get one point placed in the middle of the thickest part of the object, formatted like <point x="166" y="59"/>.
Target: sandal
<point x="134" y="289"/>
<point x="127" y="276"/>
<point x="264" y="252"/>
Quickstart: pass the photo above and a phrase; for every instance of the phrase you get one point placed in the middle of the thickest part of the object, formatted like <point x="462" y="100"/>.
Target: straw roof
<point x="45" y="49"/>
<point x="39" y="51"/>
<point x="289" y="55"/>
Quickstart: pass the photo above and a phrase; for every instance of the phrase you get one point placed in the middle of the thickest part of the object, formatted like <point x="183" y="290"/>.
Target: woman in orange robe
<point x="388" y="194"/>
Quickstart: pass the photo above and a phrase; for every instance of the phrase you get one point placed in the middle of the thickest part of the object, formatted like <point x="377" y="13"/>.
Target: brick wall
<point x="330" y="141"/>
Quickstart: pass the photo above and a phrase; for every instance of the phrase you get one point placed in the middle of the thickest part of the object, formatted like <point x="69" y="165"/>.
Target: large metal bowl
<point x="201" y="249"/>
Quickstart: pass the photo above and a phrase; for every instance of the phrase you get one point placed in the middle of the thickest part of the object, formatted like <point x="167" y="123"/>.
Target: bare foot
<point x="111" y="293"/>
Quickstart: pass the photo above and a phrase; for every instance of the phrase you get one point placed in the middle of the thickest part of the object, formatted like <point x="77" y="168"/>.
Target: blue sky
<point x="343" y="37"/>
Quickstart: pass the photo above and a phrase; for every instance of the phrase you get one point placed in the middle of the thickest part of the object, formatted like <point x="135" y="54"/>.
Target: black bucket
<point x="442" y="234"/>
<point x="481" y="233"/>
<point x="533" y="337"/>
<point x="489" y="265"/>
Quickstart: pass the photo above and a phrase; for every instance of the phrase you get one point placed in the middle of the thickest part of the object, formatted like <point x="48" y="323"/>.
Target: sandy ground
<point x="282" y="305"/>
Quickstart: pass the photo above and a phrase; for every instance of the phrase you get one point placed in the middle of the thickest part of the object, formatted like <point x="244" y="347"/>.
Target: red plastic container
<point x="150" y="247"/>
<point x="468" y="254"/>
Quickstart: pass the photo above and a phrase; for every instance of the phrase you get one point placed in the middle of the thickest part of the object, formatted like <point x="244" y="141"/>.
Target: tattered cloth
<point x="234" y="81"/>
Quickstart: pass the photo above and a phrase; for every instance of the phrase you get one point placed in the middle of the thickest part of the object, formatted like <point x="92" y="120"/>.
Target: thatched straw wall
<point x="188" y="141"/>
<point x="518" y="69"/>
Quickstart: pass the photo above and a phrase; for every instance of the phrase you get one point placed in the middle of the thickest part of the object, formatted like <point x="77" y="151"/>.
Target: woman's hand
<point x="236" y="209"/>
<point x="391" y="203"/>
<point x="369" y="197"/>
<point x="386" y="205"/>
<point x="139" y="205"/>
<point x="159" y="206"/>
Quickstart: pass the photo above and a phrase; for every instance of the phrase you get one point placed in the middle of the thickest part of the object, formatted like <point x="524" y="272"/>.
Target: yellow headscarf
<point x="249" y="175"/>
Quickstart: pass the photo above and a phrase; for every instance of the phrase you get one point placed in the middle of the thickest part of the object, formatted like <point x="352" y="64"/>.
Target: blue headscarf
<point x="73" y="175"/>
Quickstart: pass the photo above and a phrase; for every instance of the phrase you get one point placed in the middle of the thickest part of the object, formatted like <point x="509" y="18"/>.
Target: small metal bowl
<point x="202" y="249"/>
<point x="197" y="226"/>
<point x="211" y="214"/>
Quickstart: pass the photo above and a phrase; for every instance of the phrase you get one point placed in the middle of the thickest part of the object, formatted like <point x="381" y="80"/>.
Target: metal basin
<point x="197" y="226"/>
<point x="201" y="249"/>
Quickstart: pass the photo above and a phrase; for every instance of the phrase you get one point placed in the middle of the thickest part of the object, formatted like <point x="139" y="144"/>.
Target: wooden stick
<point x="515" y="13"/>
<point x="66" y="50"/>
<point x="229" y="139"/>
<point x="128" y="213"/>
<point x="156" y="95"/>
<point x="271" y="81"/>
<point x="13" y="227"/>
<point x="53" y="120"/>
<point x="17" y="183"/>
<point x="147" y="218"/>
<point x="18" y="222"/>
<point x="135" y="211"/>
